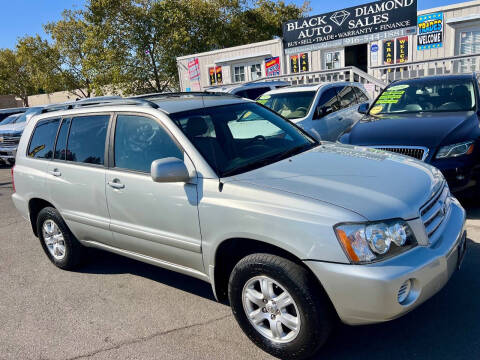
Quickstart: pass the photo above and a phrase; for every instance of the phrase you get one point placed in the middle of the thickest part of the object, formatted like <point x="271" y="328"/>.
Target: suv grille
<point x="419" y="153"/>
<point x="434" y="211"/>
<point x="8" y="141"/>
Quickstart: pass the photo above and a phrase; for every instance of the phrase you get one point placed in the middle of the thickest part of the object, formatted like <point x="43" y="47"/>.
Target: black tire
<point x="74" y="251"/>
<point x="315" y="309"/>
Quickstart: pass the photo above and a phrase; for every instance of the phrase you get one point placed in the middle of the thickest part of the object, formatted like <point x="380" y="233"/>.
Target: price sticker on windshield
<point x="390" y="97"/>
<point x="263" y="99"/>
<point x="1" y="139"/>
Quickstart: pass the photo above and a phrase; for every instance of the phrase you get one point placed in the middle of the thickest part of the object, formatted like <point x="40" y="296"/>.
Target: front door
<point x="158" y="220"/>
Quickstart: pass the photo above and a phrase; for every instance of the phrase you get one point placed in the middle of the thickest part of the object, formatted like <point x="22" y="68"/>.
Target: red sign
<point x="218" y="71"/>
<point x="272" y="66"/>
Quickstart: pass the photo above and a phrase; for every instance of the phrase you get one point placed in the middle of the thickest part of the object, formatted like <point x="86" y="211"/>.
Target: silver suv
<point x="291" y="232"/>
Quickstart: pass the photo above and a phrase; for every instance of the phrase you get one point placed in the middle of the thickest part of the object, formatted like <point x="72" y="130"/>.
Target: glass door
<point x="332" y="60"/>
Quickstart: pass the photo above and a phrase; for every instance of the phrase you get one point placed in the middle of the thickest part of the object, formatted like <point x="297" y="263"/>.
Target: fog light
<point x="404" y="291"/>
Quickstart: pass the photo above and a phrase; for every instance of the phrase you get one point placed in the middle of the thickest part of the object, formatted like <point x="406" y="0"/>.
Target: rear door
<point x="158" y="220"/>
<point x="76" y="176"/>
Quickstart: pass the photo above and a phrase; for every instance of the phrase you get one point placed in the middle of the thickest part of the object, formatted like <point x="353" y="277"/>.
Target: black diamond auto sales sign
<point x="361" y="24"/>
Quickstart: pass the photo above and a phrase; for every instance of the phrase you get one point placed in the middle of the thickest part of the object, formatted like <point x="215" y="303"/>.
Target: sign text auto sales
<point x="355" y="25"/>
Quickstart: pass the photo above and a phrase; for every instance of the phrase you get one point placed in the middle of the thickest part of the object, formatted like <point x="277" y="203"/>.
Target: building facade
<point x="438" y="33"/>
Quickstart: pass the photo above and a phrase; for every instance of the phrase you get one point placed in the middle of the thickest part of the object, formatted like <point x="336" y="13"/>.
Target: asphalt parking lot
<point x="117" y="308"/>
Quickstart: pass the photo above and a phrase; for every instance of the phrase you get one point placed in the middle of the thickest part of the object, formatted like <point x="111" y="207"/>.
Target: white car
<point x="325" y="110"/>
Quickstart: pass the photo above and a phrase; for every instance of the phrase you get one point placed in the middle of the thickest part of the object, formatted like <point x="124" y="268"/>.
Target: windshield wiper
<point x="266" y="161"/>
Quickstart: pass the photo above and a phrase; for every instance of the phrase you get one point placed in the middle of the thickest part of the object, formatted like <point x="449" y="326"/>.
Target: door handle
<point x="340" y="118"/>
<point x="116" y="184"/>
<point x="55" y="172"/>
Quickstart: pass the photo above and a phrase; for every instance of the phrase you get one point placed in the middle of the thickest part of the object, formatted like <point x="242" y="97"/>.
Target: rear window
<point x="86" y="142"/>
<point x="43" y="138"/>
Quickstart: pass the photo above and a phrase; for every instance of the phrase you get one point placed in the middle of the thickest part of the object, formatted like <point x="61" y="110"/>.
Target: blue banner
<point x="430" y="31"/>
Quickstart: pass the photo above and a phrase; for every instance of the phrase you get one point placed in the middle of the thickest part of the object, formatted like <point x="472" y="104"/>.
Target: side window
<point x="86" y="142"/>
<point x="253" y="94"/>
<point x="361" y="97"/>
<point x="347" y="97"/>
<point x="328" y="98"/>
<point x="61" y="145"/>
<point x="43" y="139"/>
<point x="241" y="93"/>
<point x="140" y="140"/>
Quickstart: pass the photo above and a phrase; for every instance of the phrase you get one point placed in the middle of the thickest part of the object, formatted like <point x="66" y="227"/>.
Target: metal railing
<point x="459" y="64"/>
<point x="349" y="73"/>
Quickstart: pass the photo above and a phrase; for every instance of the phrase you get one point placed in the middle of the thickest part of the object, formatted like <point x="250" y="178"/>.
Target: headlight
<point x="370" y="242"/>
<point x="454" y="150"/>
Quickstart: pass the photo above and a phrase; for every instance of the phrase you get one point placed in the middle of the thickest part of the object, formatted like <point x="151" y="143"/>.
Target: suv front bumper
<point x="365" y="294"/>
<point x="8" y="153"/>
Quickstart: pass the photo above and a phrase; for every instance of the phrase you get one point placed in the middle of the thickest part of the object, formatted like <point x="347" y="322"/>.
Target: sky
<point x="27" y="17"/>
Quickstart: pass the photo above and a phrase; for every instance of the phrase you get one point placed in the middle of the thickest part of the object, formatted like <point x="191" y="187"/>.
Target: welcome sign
<point x="430" y="31"/>
<point x="374" y="21"/>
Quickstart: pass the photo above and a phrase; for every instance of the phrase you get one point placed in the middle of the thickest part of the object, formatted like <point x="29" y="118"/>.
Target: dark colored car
<point x="434" y="119"/>
<point x="4" y="113"/>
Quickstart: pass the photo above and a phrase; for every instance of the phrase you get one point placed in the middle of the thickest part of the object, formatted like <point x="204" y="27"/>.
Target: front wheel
<point x="280" y="306"/>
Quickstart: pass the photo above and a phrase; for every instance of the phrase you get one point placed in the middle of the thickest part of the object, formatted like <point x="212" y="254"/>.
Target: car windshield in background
<point x="291" y="105"/>
<point x="426" y="96"/>
<point x="241" y="137"/>
<point x="10" y="119"/>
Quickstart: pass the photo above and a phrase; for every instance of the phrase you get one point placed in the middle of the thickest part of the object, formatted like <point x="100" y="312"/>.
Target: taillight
<point x="13" y="178"/>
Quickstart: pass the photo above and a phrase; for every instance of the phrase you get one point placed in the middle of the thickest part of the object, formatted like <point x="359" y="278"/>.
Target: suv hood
<point x="374" y="184"/>
<point x="12" y="128"/>
<point x="425" y="129"/>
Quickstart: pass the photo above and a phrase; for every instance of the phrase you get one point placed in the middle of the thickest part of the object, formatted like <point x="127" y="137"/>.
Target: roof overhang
<point x="244" y="57"/>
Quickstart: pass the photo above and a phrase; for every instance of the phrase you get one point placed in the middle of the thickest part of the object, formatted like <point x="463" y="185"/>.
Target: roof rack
<point x="178" y="94"/>
<point x="102" y="101"/>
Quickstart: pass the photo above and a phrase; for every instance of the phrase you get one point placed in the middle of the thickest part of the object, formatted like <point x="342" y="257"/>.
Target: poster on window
<point x="294" y="68"/>
<point x="402" y="50"/>
<point x="304" y="66"/>
<point x="430" y="31"/>
<point x="211" y="73"/>
<point x="388" y="52"/>
<point x="272" y="66"/>
<point x="194" y="73"/>
<point x="218" y="71"/>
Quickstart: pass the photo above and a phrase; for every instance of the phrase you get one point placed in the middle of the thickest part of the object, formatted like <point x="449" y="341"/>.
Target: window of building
<point x="43" y="138"/>
<point x="86" y="142"/>
<point x="469" y="44"/>
<point x="255" y="71"/>
<point x="238" y="74"/>
<point x="139" y="141"/>
<point x="332" y="60"/>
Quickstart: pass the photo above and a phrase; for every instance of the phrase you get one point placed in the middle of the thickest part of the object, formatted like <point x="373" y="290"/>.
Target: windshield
<point x="429" y="95"/>
<point x="10" y="119"/>
<point x="241" y="137"/>
<point x="291" y="105"/>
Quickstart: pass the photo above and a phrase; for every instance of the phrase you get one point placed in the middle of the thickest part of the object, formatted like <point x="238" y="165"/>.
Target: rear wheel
<point x="58" y="242"/>
<point x="280" y="306"/>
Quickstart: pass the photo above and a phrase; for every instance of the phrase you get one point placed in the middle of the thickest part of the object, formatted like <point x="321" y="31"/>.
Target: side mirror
<point x="363" y="108"/>
<point x="322" y="111"/>
<point x="169" y="170"/>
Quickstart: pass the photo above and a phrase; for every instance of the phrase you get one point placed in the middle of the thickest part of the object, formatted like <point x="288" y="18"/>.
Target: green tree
<point x="84" y="61"/>
<point x="15" y="77"/>
<point x="149" y="34"/>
